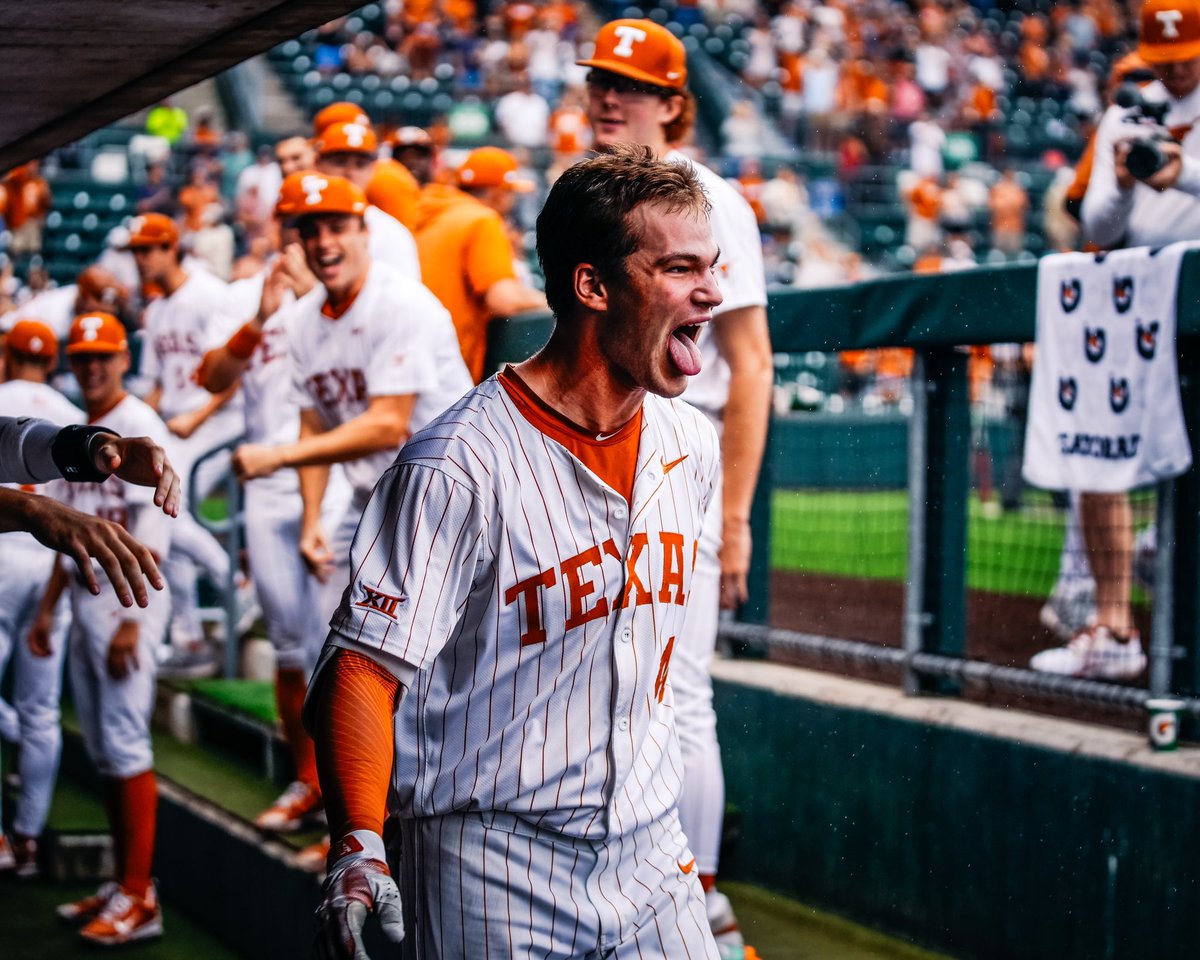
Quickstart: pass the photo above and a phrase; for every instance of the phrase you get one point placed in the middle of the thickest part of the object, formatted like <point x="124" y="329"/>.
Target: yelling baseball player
<point x="194" y="314"/>
<point x="112" y="659"/>
<point x="30" y="352"/>
<point x="637" y="93"/>
<point x="373" y="356"/>
<point x="258" y="354"/>
<point x="500" y="664"/>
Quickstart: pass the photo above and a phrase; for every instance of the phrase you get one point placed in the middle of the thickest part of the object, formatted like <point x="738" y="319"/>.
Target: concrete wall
<point x="979" y="832"/>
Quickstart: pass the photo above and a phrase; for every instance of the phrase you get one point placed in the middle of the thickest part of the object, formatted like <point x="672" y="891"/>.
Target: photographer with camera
<point x="1148" y="145"/>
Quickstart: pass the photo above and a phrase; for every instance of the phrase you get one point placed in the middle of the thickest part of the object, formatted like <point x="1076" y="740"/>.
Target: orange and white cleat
<point x="313" y="857"/>
<point x="81" y="911"/>
<point x="125" y="919"/>
<point x="300" y="805"/>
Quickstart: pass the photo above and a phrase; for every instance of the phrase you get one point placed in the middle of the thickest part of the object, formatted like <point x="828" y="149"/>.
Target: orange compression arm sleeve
<point x="352" y="730"/>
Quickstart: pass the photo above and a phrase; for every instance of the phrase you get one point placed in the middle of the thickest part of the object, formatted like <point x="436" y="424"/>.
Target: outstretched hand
<point x="127" y="563"/>
<point x="141" y="461"/>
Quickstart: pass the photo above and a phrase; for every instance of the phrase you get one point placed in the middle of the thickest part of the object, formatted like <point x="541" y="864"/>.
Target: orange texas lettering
<point x="583" y="599"/>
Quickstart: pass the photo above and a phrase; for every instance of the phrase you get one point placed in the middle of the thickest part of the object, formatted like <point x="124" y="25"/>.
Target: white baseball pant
<point x="702" y="798"/>
<point x="114" y="714"/>
<point x="491" y="884"/>
<point x="25" y="569"/>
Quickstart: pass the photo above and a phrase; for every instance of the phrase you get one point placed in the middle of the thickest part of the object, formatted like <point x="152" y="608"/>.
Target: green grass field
<point x="864" y="535"/>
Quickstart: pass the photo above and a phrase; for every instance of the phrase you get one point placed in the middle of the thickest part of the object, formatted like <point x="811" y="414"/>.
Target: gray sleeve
<point x="25" y="450"/>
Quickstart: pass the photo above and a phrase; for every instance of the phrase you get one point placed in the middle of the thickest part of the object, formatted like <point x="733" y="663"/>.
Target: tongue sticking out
<point x="684" y="353"/>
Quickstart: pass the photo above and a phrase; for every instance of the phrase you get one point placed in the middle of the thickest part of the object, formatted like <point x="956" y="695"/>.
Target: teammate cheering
<point x="112" y="661"/>
<point x="374" y="357"/>
<point x="519" y="585"/>
<point x="637" y="93"/>
<point x="258" y="354"/>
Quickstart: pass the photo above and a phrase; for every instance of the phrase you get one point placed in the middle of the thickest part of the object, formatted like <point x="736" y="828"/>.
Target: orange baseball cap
<point x="152" y="230"/>
<point x="33" y="339"/>
<point x="347" y="138"/>
<point x="492" y="167"/>
<point x="1170" y="30"/>
<point x="304" y="193"/>
<point x="642" y="50"/>
<point x="341" y="112"/>
<point x="96" y="333"/>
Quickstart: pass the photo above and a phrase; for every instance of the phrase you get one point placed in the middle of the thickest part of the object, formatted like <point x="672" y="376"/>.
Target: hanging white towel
<point x="1104" y="409"/>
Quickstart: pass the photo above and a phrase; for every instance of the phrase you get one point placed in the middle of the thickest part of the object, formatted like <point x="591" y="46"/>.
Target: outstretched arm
<point x="81" y="537"/>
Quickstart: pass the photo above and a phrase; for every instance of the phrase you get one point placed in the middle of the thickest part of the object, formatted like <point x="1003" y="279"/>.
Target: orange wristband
<point x="243" y="343"/>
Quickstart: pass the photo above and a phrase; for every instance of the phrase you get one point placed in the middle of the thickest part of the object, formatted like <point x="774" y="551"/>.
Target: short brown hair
<point x="586" y="216"/>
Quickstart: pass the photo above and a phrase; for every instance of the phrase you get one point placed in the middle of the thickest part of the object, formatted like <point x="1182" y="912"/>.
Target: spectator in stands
<point x="414" y="148"/>
<point x="466" y="256"/>
<point x="923" y="197"/>
<point x="523" y="116"/>
<point x="26" y="202"/>
<point x="155" y="195"/>
<point x="926" y="140"/>
<point x="257" y="190"/>
<point x="235" y="156"/>
<point x="1009" y="205"/>
<point x="205" y="138"/>
<point x="195" y="196"/>
<point x="819" y="74"/>
<point x="214" y="243"/>
<point x="1121" y="210"/>
<point x="784" y="202"/>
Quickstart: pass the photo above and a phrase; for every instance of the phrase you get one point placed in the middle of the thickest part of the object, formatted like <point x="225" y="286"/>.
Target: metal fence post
<point x="938" y="625"/>
<point x="758" y="605"/>
<point x="1185" y="677"/>
<point x="915" y="617"/>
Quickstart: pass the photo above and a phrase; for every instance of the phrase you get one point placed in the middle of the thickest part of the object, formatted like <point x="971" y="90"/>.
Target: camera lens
<point x="1145" y="159"/>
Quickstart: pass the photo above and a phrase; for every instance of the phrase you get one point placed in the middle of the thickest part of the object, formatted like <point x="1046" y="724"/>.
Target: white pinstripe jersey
<point x="539" y="610"/>
<point x="179" y="330"/>
<point x="115" y="499"/>
<point x="396" y="339"/>
<point x="272" y="415"/>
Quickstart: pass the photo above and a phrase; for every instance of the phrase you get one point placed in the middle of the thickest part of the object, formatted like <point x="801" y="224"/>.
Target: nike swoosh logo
<point x="686" y="868"/>
<point x="668" y="467"/>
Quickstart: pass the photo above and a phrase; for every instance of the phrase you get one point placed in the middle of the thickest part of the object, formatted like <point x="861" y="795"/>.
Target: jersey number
<point x="660" y="682"/>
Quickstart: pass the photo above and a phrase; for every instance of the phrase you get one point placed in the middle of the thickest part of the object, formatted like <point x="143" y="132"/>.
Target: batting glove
<point x="357" y="884"/>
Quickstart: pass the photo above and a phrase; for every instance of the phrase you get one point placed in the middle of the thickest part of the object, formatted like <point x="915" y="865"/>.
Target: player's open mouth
<point x="683" y="350"/>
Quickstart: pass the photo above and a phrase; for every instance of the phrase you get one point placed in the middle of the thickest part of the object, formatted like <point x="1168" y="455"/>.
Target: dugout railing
<point x="938" y="316"/>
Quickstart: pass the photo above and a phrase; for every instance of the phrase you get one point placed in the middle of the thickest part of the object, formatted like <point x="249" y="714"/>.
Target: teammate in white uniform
<point x="348" y="150"/>
<point x="519" y="588"/>
<point x="637" y="93"/>
<point x="258" y="354"/>
<point x="194" y="315"/>
<point x="112" y="661"/>
<point x="374" y="357"/>
<point x="30" y="352"/>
